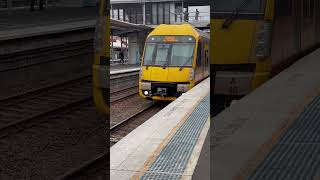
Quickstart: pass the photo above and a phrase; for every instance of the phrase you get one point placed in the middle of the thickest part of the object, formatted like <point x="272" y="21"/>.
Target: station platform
<point x="116" y="69"/>
<point x="24" y="23"/>
<point x="168" y="145"/>
<point x="274" y="132"/>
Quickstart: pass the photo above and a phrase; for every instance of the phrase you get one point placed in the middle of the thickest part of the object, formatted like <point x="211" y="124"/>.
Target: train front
<point x="167" y="68"/>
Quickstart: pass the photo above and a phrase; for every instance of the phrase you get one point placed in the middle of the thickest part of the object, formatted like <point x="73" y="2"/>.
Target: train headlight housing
<point x="191" y="74"/>
<point x="182" y="87"/>
<point x="264" y="40"/>
<point x="145" y="85"/>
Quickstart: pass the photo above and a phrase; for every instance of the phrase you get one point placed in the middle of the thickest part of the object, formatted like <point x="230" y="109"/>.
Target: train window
<point x="162" y="54"/>
<point x="283" y="8"/>
<point x="182" y="54"/>
<point x="199" y="54"/>
<point x="149" y="54"/>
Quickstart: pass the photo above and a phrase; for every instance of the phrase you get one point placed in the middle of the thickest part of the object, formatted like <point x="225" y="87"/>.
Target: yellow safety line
<point x="156" y="153"/>
<point x="265" y="148"/>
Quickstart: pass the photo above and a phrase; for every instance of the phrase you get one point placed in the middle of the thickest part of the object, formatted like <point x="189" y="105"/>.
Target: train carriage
<point x="175" y="58"/>
<point x="253" y="40"/>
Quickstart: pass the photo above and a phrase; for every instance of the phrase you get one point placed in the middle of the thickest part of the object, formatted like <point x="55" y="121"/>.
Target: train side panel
<point x="253" y="47"/>
<point x="101" y="64"/>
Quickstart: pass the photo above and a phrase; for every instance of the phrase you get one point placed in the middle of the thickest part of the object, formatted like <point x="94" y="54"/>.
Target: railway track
<point x="38" y="56"/>
<point x="123" y="93"/>
<point x="123" y="81"/>
<point x="123" y="85"/>
<point x="128" y="110"/>
<point x="95" y="169"/>
<point x="25" y="110"/>
<point x="58" y="143"/>
<point x="120" y="129"/>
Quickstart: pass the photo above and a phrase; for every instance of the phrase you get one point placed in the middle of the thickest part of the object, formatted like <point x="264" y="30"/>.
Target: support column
<point x="112" y="57"/>
<point x="133" y="48"/>
<point x="172" y="15"/>
<point x="182" y="13"/>
<point x="136" y="45"/>
<point x="144" y="13"/>
<point x="118" y="18"/>
<point x="112" y="14"/>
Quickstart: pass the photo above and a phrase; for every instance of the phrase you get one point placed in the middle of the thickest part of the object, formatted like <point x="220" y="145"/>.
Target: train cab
<point x="176" y="57"/>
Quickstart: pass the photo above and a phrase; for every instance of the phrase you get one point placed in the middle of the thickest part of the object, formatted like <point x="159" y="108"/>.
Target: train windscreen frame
<point x="169" y="51"/>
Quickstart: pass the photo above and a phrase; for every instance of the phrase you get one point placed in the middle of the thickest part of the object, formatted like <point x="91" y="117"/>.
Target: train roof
<point x="178" y="29"/>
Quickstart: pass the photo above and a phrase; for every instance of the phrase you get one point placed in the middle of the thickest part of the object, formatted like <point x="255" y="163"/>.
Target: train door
<point x="203" y="58"/>
<point x="199" y="64"/>
<point x="206" y="58"/>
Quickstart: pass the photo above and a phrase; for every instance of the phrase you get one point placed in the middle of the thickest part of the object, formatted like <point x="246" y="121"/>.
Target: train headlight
<point x="263" y="41"/>
<point x="191" y="74"/>
<point x="146" y="93"/>
<point x="145" y="85"/>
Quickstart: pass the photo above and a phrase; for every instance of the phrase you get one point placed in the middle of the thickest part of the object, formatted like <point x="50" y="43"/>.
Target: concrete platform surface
<point x="133" y="155"/>
<point x="243" y="134"/>
<point x="117" y="69"/>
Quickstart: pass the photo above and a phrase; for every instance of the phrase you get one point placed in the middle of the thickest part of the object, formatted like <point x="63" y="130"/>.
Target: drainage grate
<point x="296" y="155"/>
<point x="171" y="162"/>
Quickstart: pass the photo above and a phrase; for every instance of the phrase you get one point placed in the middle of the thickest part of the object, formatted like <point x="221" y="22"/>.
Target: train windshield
<point x="174" y="54"/>
<point x="242" y="6"/>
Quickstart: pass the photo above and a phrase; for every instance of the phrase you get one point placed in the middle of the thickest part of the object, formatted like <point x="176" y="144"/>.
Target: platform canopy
<point x="120" y="28"/>
<point x="187" y="2"/>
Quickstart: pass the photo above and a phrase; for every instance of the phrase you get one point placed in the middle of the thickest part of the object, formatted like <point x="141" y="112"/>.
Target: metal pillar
<point x="118" y="14"/>
<point x="144" y="13"/>
<point x="182" y="13"/>
<point x="112" y="48"/>
<point x="121" y="37"/>
<point x="112" y="14"/>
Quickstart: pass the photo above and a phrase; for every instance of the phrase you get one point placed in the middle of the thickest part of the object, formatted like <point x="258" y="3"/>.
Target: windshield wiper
<point x="165" y="64"/>
<point x="168" y="55"/>
<point x="235" y="14"/>
<point x="185" y="63"/>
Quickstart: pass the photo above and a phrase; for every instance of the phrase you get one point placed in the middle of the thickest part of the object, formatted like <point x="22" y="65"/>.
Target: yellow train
<point x="101" y="64"/>
<point x="175" y="58"/>
<point x="254" y="40"/>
